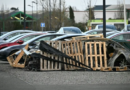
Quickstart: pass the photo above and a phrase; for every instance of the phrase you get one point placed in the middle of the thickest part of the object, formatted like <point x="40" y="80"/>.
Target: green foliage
<point x="16" y="26"/>
<point x="71" y="14"/>
<point x="81" y="26"/>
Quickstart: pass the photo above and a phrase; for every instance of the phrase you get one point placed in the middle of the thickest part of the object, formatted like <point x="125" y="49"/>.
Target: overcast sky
<point x="79" y="4"/>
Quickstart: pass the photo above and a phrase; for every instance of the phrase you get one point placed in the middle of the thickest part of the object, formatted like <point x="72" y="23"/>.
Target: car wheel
<point x="119" y="62"/>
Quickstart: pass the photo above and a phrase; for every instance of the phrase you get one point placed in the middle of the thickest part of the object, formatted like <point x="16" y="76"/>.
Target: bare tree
<point x="5" y="22"/>
<point x="58" y="17"/>
<point x="120" y="9"/>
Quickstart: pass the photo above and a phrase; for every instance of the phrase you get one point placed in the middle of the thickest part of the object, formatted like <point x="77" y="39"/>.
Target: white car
<point x="126" y="28"/>
<point x="107" y="27"/>
<point x="69" y="30"/>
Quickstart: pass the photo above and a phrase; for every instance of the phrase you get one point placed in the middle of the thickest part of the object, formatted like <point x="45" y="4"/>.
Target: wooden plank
<point x="86" y="53"/>
<point x="41" y="62"/>
<point x="100" y="53"/>
<point x="78" y="52"/>
<point x="105" y="58"/>
<point x="121" y="68"/>
<point x="19" y="56"/>
<point x="91" y="60"/>
<point x="95" y="51"/>
<point x="56" y="45"/>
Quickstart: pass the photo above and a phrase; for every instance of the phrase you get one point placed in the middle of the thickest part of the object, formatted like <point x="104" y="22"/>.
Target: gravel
<point x="66" y="77"/>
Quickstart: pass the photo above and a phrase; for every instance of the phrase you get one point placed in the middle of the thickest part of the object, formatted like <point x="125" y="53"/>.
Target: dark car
<point x="107" y="27"/>
<point x="32" y="44"/>
<point x="120" y="36"/>
<point x="117" y="54"/>
<point x="66" y="37"/>
<point x="99" y="31"/>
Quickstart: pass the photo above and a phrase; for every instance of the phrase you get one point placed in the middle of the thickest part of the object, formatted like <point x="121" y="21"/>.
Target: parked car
<point x="120" y="36"/>
<point x="117" y="54"/>
<point x="99" y="31"/>
<point x="69" y="30"/>
<point x="32" y="44"/>
<point x="15" y="37"/>
<point x="126" y="28"/>
<point x="107" y="27"/>
<point x="20" y="40"/>
<point x="66" y="37"/>
<point x="1" y="33"/>
<point x="13" y="33"/>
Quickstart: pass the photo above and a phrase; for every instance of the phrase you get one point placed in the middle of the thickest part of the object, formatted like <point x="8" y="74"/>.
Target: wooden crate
<point x="51" y="65"/>
<point x="73" y="49"/>
<point x="95" y="55"/>
<point x="15" y="62"/>
<point x="88" y="37"/>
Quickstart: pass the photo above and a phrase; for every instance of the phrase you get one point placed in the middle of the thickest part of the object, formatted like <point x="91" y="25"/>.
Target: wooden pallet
<point x="88" y="37"/>
<point x="125" y="68"/>
<point x="15" y="62"/>
<point x="51" y="65"/>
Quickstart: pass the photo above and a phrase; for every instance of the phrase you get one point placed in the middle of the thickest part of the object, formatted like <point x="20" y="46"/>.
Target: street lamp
<point x="36" y="6"/>
<point x="24" y="14"/>
<point x="32" y="14"/>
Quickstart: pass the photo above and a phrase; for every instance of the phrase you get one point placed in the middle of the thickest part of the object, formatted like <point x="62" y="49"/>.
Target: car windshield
<point x="107" y="27"/>
<point x="109" y="34"/>
<point x="25" y="38"/>
<point x="14" y="38"/>
<point x="128" y="27"/>
<point x="72" y="30"/>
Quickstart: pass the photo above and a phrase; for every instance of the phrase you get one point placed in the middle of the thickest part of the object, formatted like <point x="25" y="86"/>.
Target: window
<point x="45" y="38"/>
<point x="72" y="30"/>
<point x="11" y="35"/>
<point x="126" y="36"/>
<point x="28" y="37"/>
<point x="119" y="37"/>
<point x="128" y="28"/>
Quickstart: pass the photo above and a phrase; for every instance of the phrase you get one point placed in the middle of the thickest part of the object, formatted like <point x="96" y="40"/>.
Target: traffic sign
<point x="42" y="24"/>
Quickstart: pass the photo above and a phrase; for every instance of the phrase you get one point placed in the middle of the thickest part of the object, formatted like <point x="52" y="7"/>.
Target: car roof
<point x="41" y="36"/>
<point x="28" y="34"/>
<point x="118" y="33"/>
<point x="11" y="32"/>
<point x="17" y="36"/>
<point x="67" y="35"/>
<point x="99" y="30"/>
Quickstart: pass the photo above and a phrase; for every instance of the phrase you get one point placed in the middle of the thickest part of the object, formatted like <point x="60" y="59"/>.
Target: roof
<point x="109" y="7"/>
<point x="16" y="13"/>
<point x="99" y="7"/>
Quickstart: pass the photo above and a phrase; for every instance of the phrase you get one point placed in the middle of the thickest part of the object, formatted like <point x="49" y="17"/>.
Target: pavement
<point x="19" y="79"/>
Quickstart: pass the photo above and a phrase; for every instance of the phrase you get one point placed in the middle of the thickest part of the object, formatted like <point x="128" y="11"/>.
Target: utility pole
<point x="104" y="18"/>
<point x="60" y="11"/>
<point x="36" y="11"/>
<point x="124" y="16"/>
<point x="32" y="14"/>
<point x="24" y="15"/>
<point x="50" y="13"/>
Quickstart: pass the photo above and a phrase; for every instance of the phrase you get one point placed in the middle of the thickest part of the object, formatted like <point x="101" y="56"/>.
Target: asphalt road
<point x="19" y="79"/>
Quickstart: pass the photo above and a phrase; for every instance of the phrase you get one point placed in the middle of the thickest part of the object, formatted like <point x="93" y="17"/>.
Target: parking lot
<point x="57" y="79"/>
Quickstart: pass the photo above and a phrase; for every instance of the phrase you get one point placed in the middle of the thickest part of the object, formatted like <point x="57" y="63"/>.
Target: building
<point x="112" y="15"/>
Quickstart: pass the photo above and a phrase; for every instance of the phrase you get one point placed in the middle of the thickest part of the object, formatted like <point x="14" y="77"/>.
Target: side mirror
<point x="33" y="43"/>
<point x="5" y="38"/>
<point x="20" y="41"/>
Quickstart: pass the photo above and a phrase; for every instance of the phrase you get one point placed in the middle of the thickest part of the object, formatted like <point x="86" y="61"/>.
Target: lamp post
<point x="36" y="8"/>
<point x="24" y="15"/>
<point x="124" y="16"/>
<point x="32" y="14"/>
<point x="104" y="18"/>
